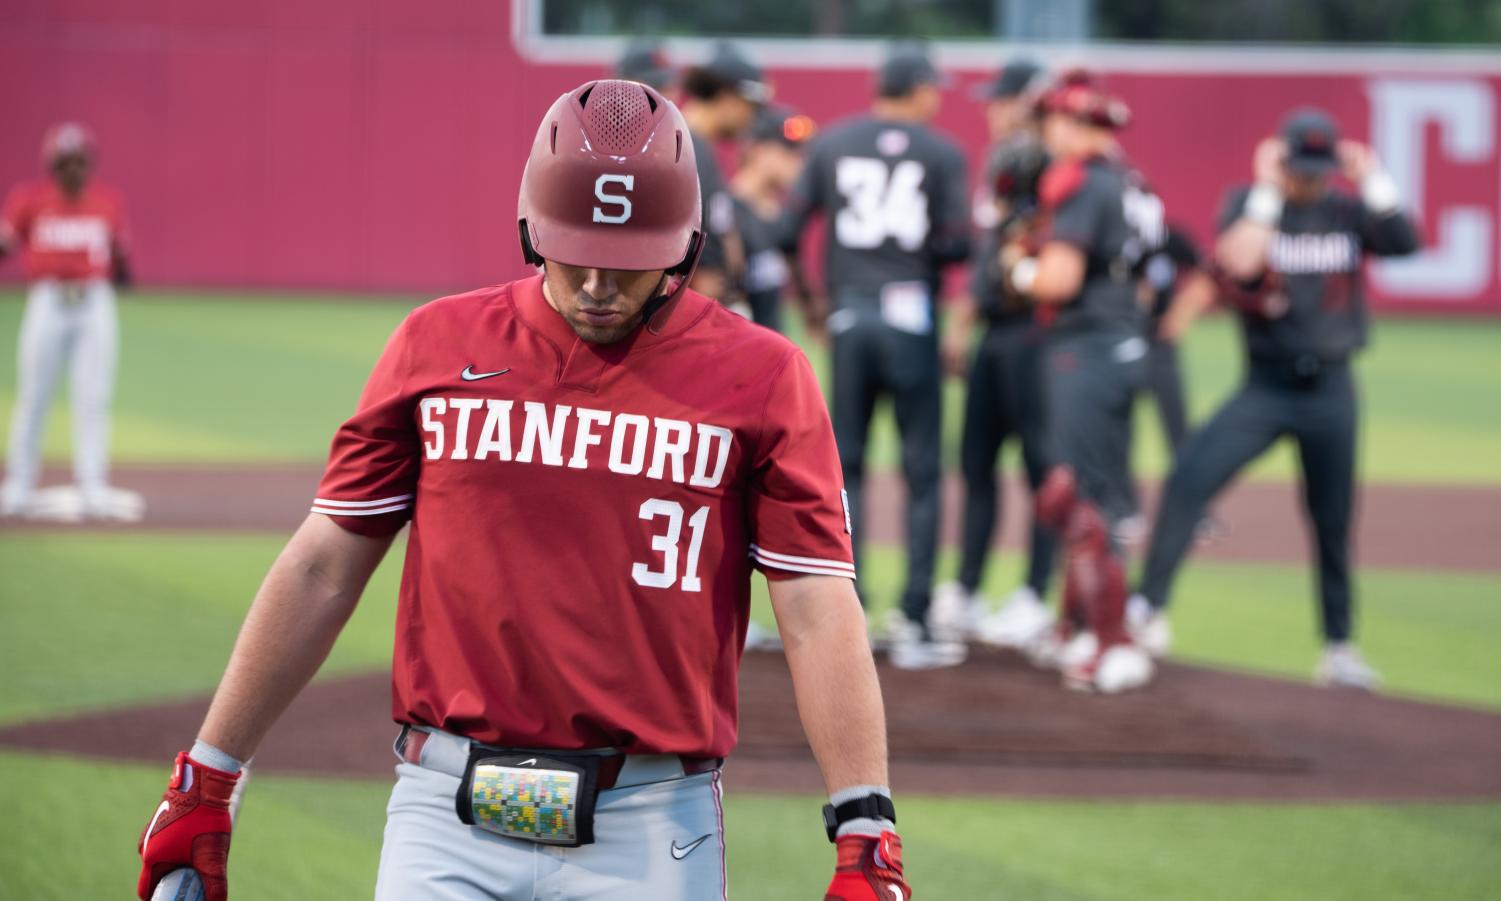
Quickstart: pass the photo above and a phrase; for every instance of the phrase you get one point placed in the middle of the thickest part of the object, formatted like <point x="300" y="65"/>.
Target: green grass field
<point x="83" y="618"/>
<point x="220" y="379"/>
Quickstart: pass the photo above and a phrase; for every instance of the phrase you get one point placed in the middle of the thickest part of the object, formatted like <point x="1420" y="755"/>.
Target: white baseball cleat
<point x="110" y="504"/>
<point x="1343" y="667"/>
<point x="1022" y="620"/>
<point x="13" y="501"/>
<point x="912" y="648"/>
<point x="1118" y="668"/>
<point x="1078" y="651"/>
<point x="1148" y="626"/>
<point x="1046" y="650"/>
<point x="955" y="614"/>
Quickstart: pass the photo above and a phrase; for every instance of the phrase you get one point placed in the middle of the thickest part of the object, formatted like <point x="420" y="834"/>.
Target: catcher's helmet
<point x="66" y="139"/>
<point x="1078" y="93"/>
<point x="611" y="183"/>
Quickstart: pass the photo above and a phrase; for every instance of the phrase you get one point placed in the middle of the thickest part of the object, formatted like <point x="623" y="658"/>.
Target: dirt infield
<point x="1421" y="526"/>
<point x="994" y="726"/>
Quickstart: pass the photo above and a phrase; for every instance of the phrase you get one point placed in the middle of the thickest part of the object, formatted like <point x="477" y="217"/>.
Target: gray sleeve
<point x="1231" y="208"/>
<point x="950" y="240"/>
<point x="805" y="198"/>
<point x="1389" y="234"/>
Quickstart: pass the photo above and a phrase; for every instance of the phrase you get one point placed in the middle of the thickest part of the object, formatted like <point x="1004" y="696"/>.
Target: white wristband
<point x="1024" y="275"/>
<point x="1264" y="205"/>
<point x="1380" y="193"/>
<point x="210" y="756"/>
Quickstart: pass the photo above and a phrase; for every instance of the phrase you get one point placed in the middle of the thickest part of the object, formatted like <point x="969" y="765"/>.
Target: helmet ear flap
<point x="695" y="247"/>
<point x="528" y="253"/>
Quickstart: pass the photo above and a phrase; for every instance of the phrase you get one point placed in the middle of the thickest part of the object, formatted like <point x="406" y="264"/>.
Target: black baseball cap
<point x="1012" y="81"/>
<point x="644" y="61"/>
<point x="1311" y="137"/>
<point x="729" y="65"/>
<point x="782" y="125"/>
<point x="907" y="66"/>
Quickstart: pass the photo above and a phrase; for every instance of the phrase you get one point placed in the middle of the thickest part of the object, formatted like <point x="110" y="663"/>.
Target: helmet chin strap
<point x="667" y="293"/>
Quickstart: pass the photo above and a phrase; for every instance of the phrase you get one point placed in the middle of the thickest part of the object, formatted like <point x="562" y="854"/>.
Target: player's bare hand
<point x="1356" y="160"/>
<point x="1266" y="163"/>
<point x="1275" y="305"/>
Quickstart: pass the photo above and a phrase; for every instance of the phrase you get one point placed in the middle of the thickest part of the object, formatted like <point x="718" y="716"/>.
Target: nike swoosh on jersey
<point x="469" y="375"/>
<point x="530" y="761"/>
<point x="680" y="853"/>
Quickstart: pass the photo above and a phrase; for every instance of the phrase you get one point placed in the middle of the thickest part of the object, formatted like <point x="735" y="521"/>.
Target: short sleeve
<point x="803" y="199"/>
<point x="1231" y="209"/>
<point x="797" y="510"/>
<point x="370" y="483"/>
<point x="955" y="214"/>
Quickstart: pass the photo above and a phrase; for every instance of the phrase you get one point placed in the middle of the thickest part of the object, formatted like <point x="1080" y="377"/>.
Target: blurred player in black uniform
<point x="1004" y="398"/>
<point x="896" y="204"/>
<point x="1290" y="251"/>
<point x="770" y="163"/>
<point x="1083" y="279"/>
<point x="645" y="61"/>
<point x="1175" y="287"/>
<point x="1172" y="275"/>
<point x="720" y="101"/>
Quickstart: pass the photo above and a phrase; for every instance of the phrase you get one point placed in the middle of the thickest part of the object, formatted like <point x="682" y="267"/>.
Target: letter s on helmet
<point x="611" y="183"/>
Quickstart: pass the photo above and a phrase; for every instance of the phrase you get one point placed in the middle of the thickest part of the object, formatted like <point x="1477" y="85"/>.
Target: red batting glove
<point x="869" y="869"/>
<point x="190" y="829"/>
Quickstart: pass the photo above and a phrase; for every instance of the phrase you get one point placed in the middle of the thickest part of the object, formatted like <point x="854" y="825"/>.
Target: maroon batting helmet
<point x="611" y="183"/>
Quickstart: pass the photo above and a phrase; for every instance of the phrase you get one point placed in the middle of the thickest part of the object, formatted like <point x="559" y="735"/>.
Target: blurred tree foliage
<point x="1317" y="21"/>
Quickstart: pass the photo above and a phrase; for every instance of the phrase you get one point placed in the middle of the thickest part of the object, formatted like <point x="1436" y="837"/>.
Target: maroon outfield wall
<point x="376" y="144"/>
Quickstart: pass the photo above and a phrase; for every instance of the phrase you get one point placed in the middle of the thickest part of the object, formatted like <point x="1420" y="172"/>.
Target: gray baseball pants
<point x="68" y="326"/>
<point x="659" y="840"/>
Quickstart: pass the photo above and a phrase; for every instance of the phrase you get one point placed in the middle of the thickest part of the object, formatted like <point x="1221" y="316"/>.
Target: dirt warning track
<point x="1452" y="527"/>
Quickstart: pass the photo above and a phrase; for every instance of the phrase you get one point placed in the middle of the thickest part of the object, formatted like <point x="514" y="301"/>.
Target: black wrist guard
<point x="870" y="807"/>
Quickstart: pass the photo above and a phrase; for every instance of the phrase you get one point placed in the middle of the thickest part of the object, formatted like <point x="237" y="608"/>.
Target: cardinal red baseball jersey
<point x="585" y="517"/>
<point x="65" y="237"/>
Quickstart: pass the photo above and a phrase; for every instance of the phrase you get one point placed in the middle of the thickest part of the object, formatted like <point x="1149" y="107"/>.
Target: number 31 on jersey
<point x="666" y="544"/>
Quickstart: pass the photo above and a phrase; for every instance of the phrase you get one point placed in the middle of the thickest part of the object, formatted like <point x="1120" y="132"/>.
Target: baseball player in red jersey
<point x="592" y="462"/>
<point x="71" y="232"/>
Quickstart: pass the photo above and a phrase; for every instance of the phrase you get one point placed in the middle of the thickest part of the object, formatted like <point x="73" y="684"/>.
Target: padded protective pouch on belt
<point x="548" y="800"/>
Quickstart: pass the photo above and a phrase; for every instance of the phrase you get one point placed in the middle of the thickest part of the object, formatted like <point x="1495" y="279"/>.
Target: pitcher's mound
<point x="991" y="726"/>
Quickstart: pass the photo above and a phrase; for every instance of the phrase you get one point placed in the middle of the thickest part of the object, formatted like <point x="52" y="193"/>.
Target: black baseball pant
<point x="1318" y="410"/>
<point x="873" y="360"/>
<point x="1092" y="381"/>
<point x="1004" y="400"/>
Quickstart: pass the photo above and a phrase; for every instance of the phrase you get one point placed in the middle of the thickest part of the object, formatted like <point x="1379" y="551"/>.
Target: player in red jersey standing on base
<point x="70" y="231"/>
<point x="592" y="461"/>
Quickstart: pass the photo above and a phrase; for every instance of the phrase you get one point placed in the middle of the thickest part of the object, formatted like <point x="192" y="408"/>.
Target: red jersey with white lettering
<point x="585" y="517"/>
<point x="65" y="237"/>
